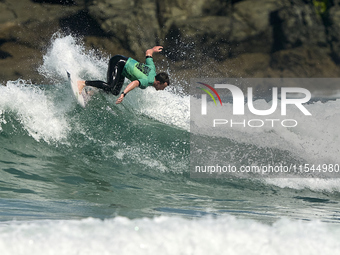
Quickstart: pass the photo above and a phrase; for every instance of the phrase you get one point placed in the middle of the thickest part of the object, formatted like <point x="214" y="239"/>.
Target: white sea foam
<point x="315" y="138"/>
<point x="169" y="235"/>
<point x="316" y="184"/>
<point x="68" y="53"/>
<point x="164" y="106"/>
<point x="35" y="110"/>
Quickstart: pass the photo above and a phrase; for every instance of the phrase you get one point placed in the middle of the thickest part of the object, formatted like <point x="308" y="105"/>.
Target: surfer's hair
<point x="163" y="77"/>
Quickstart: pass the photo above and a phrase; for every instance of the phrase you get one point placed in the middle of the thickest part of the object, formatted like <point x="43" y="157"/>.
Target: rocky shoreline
<point x="216" y="38"/>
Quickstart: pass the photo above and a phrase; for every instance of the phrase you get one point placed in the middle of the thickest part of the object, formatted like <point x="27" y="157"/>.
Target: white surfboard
<point x="79" y="96"/>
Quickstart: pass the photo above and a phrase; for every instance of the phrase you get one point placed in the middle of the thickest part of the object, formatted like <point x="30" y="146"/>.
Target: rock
<point x="201" y="37"/>
<point x="333" y="32"/>
<point x="133" y="23"/>
<point x="196" y="39"/>
<point x="252" y="27"/>
<point x="25" y="32"/>
<point x="303" y="62"/>
<point x="297" y="25"/>
<point x="246" y="28"/>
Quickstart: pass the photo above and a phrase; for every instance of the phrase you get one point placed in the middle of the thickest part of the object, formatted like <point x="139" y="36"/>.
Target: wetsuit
<point x="121" y="67"/>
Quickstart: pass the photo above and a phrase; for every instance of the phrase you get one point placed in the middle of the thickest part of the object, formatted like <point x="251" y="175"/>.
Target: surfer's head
<point x="161" y="81"/>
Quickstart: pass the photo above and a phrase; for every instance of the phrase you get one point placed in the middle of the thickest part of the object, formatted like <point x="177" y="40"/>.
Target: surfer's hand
<point x="149" y="52"/>
<point x="120" y="99"/>
<point x="157" y="48"/>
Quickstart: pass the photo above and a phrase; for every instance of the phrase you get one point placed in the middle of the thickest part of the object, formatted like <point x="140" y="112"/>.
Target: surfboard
<point x="81" y="97"/>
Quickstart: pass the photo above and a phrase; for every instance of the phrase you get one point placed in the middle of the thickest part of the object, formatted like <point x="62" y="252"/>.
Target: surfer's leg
<point x="118" y="82"/>
<point x="114" y="73"/>
<point x="114" y="77"/>
<point x="98" y="84"/>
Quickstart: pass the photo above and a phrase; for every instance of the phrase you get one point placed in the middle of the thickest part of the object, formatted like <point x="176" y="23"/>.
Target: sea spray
<point x="69" y="53"/>
<point x="34" y="109"/>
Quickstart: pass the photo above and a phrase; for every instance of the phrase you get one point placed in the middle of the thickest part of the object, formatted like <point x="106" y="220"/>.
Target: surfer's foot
<point x="81" y="85"/>
<point x="90" y="92"/>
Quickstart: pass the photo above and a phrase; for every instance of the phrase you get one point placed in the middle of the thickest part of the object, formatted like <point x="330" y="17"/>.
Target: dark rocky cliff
<point x="240" y="38"/>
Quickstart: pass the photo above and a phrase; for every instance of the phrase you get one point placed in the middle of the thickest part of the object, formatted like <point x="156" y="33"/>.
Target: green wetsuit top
<point x="144" y="73"/>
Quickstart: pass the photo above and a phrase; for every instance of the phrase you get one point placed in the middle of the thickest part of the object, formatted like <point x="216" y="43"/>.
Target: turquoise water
<point x="115" y="178"/>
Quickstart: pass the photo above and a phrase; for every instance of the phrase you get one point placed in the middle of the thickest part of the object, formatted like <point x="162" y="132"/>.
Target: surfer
<point x="141" y="75"/>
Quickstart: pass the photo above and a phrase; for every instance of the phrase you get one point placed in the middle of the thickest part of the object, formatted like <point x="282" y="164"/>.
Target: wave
<point x="26" y="106"/>
<point x="68" y="53"/>
<point x="169" y="235"/>
<point x="313" y="139"/>
<point x="150" y="129"/>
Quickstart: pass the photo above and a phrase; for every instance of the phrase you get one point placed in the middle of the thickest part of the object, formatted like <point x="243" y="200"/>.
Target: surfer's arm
<point x="149" y="52"/>
<point x="128" y="88"/>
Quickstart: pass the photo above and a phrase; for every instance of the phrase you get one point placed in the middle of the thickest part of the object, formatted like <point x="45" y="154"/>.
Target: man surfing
<point x="141" y="75"/>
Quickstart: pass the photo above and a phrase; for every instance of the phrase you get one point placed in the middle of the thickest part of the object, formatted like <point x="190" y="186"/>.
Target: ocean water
<point x="115" y="179"/>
